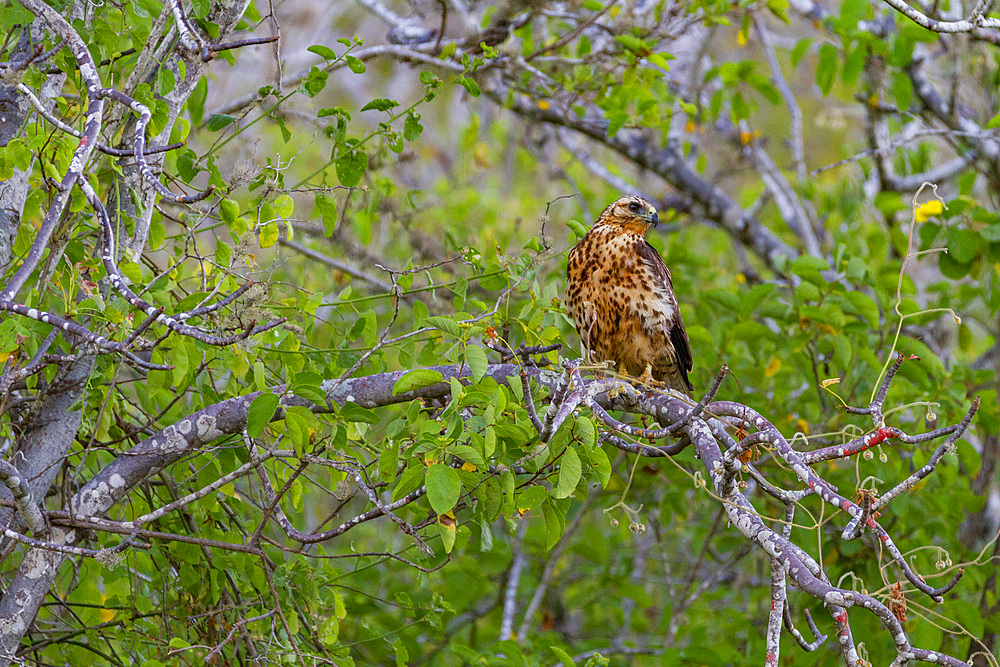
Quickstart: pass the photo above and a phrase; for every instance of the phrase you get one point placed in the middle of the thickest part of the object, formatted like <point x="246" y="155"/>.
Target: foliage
<point x="408" y="204"/>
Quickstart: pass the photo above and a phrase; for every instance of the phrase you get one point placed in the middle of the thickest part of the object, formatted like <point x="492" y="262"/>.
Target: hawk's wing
<point x="661" y="274"/>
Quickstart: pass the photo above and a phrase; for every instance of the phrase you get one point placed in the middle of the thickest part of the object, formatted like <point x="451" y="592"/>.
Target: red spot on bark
<point x="879" y="436"/>
<point x="846" y="505"/>
<point x="871" y="522"/>
<point x="771" y="659"/>
<point x="884" y="538"/>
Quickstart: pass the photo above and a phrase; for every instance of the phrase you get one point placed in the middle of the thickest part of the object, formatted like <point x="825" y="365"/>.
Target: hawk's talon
<point x="647" y="379"/>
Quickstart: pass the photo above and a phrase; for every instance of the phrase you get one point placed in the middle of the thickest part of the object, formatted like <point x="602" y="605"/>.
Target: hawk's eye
<point x="634" y="207"/>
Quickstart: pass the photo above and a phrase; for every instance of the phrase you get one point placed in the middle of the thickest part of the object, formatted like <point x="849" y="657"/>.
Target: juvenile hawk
<point x="620" y="296"/>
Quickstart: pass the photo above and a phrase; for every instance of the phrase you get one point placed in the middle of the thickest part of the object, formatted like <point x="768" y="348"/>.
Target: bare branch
<point x="974" y="21"/>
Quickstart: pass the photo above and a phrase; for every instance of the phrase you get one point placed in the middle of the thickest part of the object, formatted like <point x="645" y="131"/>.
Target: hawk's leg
<point x="647" y="378"/>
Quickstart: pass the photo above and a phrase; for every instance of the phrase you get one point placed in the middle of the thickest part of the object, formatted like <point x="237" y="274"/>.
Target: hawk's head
<point x="630" y="213"/>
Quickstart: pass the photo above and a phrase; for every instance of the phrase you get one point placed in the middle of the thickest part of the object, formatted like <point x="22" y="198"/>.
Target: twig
<point x="68" y="129"/>
<point x="339" y="266"/>
<point x="139" y="143"/>
<point x="81" y="155"/>
<point x="513" y="579"/>
<point x="118" y="282"/>
<point x="76" y="329"/>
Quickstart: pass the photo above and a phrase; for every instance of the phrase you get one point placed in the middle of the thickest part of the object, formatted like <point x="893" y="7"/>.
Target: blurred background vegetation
<point x="382" y="177"/>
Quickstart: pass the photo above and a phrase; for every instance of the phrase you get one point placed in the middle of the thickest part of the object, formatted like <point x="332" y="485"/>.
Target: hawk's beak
<point x="654" y="219"/>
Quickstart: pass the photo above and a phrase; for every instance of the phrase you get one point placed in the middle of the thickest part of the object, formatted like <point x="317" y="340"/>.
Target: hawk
<point x="621" y="299"/>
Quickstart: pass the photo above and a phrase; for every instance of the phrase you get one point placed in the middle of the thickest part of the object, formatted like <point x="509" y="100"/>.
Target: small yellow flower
<point x="773" y="366"/>
<point x="544" y="105"/>
<point x="928" y="210"/>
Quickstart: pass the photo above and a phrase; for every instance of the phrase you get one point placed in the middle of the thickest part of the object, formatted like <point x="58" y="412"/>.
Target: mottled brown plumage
<point x="620" y="296"/>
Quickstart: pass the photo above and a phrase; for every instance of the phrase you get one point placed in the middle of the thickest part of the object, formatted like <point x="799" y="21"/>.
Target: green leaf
<point x="443" y="487"/>
<point x="308" y="385"/>
<point x="268" y="235"/>
<point x="351" y="164"/>
<point x="994" y="122"/>
<point x="322" y="51"/>
<point x="259" y="377"/>
<point x="283" y="206"/>
<point x="632" y="43"/>
<point x="132" y="271"/>
<point x="445" y="324"/>
<point x="157" y="234"/>
<point x="300" y="422"/>
<point x="477" y="361"/>
<point x="826" y="69"/>
<point x="402" y="655"/>
<point x="579" y="229"/>
<point x="555" y="524"/>
<point x="564" y="657"/>
<point x="810" y="268"/>
<point x="569" y="474"/>
<point x="217" y="121"/>
<point x="854" y="64"/>
<point x="229" y="211"/>
<point x="13" y="14"/>
<point x="779" y="8"/>
<point x="586" y="431"/>
<point x="355" y="64"/>
<point x="326" y="206"/>
<point x="260" y="414"/>
<point x="314" y="82"/>
<point x="415" y="379"/>
<point x="800" y="49"/>
<point x="353" y="412"/>
<point x="470" y="86"/>
<point x="186" y="165"/>
<point x="601" y="465"/>
<point x="486" y="535"/>
<point x="963" y="244"/>
<point x="616" y="120"/>
<point x="412" y="127"/>
<point x="531" y="498"/>
<point x="950" y="268"/>
<point x="196" y="103"/>
<point x="380" y="104"/>
<point x="902" y="89"/>
<point x="865" y="307"/>
<point x="167" y="80"/>
<point x="991" y="233"/>
<point x="660" y="60"/>
<point x="467" y="453"/>
<point x="411" y="480"/>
